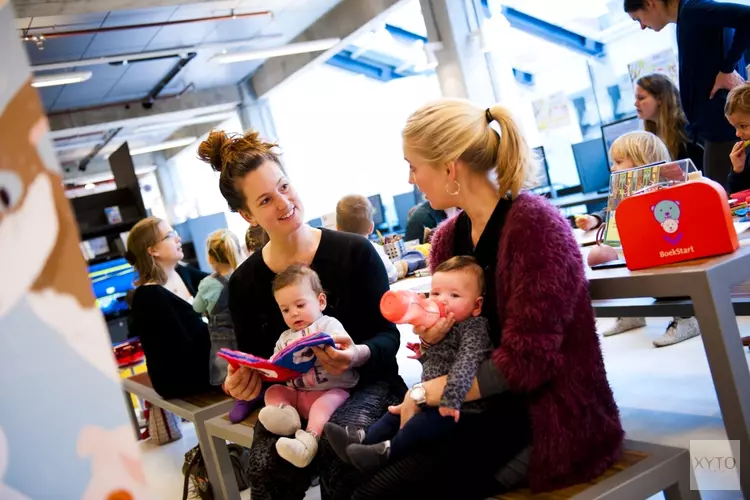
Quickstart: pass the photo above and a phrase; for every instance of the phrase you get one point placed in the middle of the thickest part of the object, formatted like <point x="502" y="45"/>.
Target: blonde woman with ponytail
<point x="224" y="255"/>
<point x="550" y="417"/>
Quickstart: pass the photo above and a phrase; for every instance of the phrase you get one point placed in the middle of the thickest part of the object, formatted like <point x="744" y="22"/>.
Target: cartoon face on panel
<point x="666" y="209"/>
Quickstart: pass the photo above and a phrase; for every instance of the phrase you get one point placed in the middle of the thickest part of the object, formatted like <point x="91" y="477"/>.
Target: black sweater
<point x="174" y="338"/>
<point x="707" y="44"/>
<point x="354" y="279"/>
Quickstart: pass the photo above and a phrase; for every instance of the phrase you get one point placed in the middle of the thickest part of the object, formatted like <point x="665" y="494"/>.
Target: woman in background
<point x="657" y="101"/>
<point x="174" y="337"/>
<point x="224" y="255"/>
<point x="711" y="40"/>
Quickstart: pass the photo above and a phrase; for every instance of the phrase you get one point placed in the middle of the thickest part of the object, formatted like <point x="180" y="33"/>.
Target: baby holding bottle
<point x="458" y="288"/>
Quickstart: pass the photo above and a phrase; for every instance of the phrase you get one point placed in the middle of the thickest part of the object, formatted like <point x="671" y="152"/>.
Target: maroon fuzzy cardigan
<point x="550" y="349"/>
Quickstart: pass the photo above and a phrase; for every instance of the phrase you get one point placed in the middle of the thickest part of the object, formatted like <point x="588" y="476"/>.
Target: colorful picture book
<point x="287" y="364"/>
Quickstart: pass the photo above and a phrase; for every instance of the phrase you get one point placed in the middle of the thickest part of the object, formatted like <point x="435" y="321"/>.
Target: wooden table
<point x="707" y="283"/>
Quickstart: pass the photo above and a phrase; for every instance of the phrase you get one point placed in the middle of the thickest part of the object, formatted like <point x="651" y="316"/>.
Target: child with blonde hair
<point x="634" y="149"/>
<point x="631" y="150"/>
<point x="737" y="111"/>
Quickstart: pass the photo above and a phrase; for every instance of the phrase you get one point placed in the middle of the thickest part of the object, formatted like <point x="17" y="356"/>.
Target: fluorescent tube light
<point x="61" y="79"/>
<point x="285" y="50"/>
<point x="177" y="143"/>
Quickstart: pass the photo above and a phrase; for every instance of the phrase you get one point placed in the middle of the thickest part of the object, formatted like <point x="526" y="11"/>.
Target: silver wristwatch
<point x="418" y="394"/>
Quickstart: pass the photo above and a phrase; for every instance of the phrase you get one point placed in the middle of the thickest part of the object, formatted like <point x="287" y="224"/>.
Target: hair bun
<point x="210" y="150"/>
<point x="221" y="149"/>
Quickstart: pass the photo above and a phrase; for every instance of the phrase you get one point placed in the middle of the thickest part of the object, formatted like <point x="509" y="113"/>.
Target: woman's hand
<point x="344" y="356"/>
<point x="436" y="332"/>
<point x="738" y="157"/>
<point x="242" y="383"/>
<point x="726" y="81"/>
<point x="407" y="409"/>
<point x="587" y="222"/>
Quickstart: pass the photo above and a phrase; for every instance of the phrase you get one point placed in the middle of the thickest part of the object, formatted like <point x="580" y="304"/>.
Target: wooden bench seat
<point x="644" y="470"/>
<point x="197" y="409"/>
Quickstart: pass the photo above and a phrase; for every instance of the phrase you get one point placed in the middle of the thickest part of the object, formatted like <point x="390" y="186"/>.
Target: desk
<point x="578" y="199"/>
<point x="707" y="282"/>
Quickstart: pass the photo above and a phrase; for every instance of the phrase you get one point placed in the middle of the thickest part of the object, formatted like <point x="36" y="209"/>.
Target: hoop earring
<point x="458" y="189"/>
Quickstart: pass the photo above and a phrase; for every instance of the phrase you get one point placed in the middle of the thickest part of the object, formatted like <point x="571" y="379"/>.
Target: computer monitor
<point x="378" y="217"/>
<point x="404" y="203"/>
<point x="111" y="282"/>
<point x="543" y="174"/>
<point x="591" y="163"/>
<point x="611" y="131"/>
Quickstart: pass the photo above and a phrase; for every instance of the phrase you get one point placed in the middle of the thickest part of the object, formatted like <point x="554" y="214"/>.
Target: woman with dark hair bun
<point x="352" y="274"/>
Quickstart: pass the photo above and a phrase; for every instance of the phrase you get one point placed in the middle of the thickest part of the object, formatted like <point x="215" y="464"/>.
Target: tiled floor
<point x="665" y="396"/>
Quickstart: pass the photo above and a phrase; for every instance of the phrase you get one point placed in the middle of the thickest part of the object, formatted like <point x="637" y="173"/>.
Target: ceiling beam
<point x="189" y="105"/>
<point x="347" y="20"/>
<point x="35" y="8"/>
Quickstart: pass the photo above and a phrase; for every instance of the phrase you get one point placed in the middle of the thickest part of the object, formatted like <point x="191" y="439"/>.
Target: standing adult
<point x="551" y="418"/>
<point x="174" y="337"/>
<point x="354" y="279"/>
<point x="657" y="101"/>
<point x="711" y="40"/>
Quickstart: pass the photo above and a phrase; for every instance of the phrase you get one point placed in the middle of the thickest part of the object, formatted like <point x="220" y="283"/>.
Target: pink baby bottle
<point x="405" y="306"/>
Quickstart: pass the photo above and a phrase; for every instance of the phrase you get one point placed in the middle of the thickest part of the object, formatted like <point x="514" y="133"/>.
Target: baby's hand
<point x="586" y="222"/>
<point x="416" y="348"/>
<point x="450" y="412"/>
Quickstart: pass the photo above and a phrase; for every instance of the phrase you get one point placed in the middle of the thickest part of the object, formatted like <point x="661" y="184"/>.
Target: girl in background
<point x="631" y="150"/>
<point x="224" y="255"/>
<point x="657" y="101"/>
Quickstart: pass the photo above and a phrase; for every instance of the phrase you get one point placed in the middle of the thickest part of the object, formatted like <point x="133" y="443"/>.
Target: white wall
<point x="341" y="134"/>
<point x="191" y="187"/>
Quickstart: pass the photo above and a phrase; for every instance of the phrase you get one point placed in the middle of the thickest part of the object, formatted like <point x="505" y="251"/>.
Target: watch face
<point x="417" y="393"/>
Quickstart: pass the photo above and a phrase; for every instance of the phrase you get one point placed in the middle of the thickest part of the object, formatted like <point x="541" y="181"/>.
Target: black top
<point x="353" y="276"/>
<point x="423" y="217"/>
<point x="740" y="182"/>
<point x="486" y="254"/>
<point x="692" y="151"/>
<point x="707" y="45"/>
<point x="174" y="338"/>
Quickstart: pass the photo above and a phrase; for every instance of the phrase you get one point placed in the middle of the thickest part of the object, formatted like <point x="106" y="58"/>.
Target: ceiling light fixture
<point x="176" y="143"/>
<point x="61" y="79"/>
<point x="285" y="50"/>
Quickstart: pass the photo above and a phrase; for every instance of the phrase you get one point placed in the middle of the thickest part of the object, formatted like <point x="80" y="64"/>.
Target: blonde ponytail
<point x="451" y="130"/>
<point x="515" y="168"/>
<point x="224" y="247"/>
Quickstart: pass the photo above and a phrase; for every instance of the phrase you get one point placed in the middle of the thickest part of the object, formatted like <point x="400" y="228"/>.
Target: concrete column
<point x="464" y="70"/>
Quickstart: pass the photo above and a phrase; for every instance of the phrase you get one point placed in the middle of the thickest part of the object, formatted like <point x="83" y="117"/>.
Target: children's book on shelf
<point x="287" y="364"/>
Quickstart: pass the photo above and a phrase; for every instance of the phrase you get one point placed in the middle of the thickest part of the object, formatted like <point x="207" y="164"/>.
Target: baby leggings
<point x="315" y="406"/>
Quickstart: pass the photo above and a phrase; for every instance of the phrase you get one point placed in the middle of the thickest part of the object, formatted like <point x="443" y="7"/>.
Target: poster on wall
<point x="64" y="430"/>
<point x="552" y="112"/>
<point x="664" y="63"/>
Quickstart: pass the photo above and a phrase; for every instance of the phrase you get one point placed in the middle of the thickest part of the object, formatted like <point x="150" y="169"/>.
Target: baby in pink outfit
<point x="316" y="394"/>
